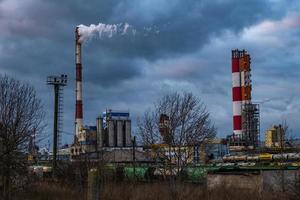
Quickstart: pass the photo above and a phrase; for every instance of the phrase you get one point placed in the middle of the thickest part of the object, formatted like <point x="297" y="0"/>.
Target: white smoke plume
<point x="104" y="30"/>
<point x="109" y="30"/>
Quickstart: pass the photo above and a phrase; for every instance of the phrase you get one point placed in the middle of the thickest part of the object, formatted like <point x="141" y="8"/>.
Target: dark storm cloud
<point x="187" y="25"/>
<point x="184" y="26"/>
<point x="111" y="72"/>
<point x="37" y="39"/>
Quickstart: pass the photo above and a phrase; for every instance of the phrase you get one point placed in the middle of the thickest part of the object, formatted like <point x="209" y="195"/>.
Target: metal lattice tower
<point x="251" y="124"/>
<point x="58" y="83"/>
<point x="60" y="116"/>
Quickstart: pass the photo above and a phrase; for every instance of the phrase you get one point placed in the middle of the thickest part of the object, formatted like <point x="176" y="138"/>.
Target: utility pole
<point x="58" y="82"/>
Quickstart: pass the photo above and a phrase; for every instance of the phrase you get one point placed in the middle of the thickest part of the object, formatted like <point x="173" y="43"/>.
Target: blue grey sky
<point x="191" y="52"/>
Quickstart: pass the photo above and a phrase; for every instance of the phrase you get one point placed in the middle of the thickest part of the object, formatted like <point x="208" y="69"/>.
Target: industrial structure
<point x="58" y="83"/>
<point x="113" y="128"/>
<point x="274" y="137"/>
<point x="86" y="139"/>
<point x="251" y="124"/>
<point x="78" y="90"/>
<point x="164" y="128"/>
<point x="111" y="136"/>
<point x="245" y="113"/>
<point x="110" y="140"/>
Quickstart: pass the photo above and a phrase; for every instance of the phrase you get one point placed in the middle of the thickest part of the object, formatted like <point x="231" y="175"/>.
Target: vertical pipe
<point x="99" y="124"/>
<point x="236" y="94"/>
<point x="78" y="91"/>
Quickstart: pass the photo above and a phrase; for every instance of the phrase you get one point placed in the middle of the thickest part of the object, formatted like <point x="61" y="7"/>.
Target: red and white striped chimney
<point x="78" y="108"/>
<point x="236" y="94"/>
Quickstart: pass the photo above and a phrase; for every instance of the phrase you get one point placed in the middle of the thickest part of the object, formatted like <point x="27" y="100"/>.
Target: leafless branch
<point x="21" y="117"/>
<point x="190" y="125"/>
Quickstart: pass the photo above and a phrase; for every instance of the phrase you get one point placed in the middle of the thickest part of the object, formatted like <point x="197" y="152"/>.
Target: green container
<point x="135" y="173"/>
<point x="292" y="168"/>
<point x="194" y="174"/>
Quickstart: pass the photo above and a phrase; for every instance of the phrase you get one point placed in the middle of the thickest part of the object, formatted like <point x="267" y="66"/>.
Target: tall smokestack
<point x="78" y="108"/>
<point x="236" y="94"/>
<point x="241" y="88"/>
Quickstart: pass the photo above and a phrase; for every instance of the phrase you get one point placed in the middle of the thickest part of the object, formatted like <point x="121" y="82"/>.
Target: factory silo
<point x="111" y="132"/>
<point x="120" y="125"/>
<point x="128" y="133"/>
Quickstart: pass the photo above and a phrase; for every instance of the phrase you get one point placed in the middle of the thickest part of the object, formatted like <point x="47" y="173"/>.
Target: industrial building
<point x="245" y="113"/>
<point x="87" y="139"/>
<point x="110" y="141"/>
<point x="114" y="129"/>
<point x="112" y="134"/>
<point x="275" y="137"/>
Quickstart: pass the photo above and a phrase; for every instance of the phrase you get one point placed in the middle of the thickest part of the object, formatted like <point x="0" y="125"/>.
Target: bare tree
<point x="21" y="117"/>
<point x="288" y="136"/>
<point x="190" y="125"/>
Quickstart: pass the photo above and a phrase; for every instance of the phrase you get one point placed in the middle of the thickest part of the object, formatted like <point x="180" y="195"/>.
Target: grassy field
<point x="49" y="191"/>
<point x="146" y="191"/>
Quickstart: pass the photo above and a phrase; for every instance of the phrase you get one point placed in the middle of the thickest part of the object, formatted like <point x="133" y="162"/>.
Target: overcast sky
<point x="191" y="52"/>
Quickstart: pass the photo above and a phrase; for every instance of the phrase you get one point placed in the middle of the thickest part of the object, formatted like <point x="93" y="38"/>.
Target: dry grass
<point x="49" y="191"/>
<point x="147" y="191"/>
<point x="164" y="191"/>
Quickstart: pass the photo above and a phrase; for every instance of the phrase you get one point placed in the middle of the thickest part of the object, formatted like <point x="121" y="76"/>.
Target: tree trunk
<point x="6" y="191"/>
